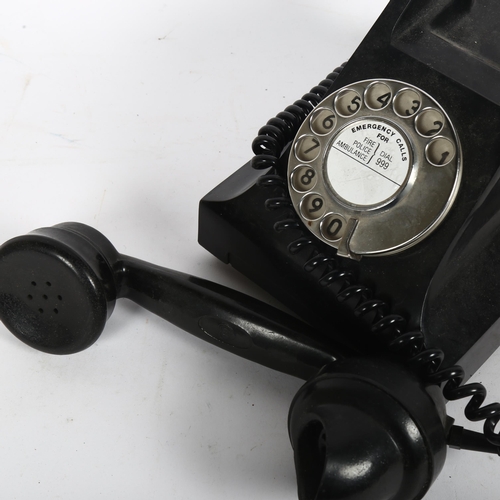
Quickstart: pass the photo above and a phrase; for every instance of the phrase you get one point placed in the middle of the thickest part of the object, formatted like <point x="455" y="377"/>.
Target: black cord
<point x="268" y="146"/>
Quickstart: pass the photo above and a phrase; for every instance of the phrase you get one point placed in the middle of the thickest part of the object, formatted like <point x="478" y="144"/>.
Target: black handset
<point x="59" y="285"/>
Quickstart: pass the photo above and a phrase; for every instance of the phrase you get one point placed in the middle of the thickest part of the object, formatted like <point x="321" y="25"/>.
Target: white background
<point x="122" y="115"/>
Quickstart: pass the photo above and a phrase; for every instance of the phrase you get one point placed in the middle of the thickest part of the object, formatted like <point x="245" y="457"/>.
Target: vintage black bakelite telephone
<point x="371" y="210"/>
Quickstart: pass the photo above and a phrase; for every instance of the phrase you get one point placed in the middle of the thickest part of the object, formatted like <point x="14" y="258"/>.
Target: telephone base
<point x="446" y="285"/>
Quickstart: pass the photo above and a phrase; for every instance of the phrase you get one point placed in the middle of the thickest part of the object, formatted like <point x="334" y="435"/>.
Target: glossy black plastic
<point x="443" y="286"/>
<point x="58" y="286"/>
<point x="367" y="429"/>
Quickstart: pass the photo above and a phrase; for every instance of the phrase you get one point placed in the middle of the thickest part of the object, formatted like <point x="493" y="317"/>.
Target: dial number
<point x="303" y="179"/>
<point x="406" y="103"/>
<point x="378" y="96"/>
<point x="323" y="121"/>
<point x="312" y="206"/>
<point x="440" y="152"/>
<point x="429" y="123"/>
<point x="332" y="227"/>
<point x="307" y="148"/>
<point x="348" y="103"/>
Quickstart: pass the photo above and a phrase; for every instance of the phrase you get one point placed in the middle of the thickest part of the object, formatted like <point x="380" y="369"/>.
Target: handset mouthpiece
<point x="58" y="287"/>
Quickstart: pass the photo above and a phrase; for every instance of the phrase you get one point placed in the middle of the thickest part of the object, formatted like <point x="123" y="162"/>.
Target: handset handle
<point x="226" y="318"/>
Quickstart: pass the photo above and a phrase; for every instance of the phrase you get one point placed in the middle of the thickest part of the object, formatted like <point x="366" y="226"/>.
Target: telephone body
<point x="428" y="73"/>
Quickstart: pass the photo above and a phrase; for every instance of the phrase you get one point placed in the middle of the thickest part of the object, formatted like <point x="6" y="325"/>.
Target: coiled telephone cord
<point x="268" y="146"/>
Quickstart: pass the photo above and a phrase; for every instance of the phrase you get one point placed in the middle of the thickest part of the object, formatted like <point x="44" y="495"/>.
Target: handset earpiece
<point x="361" y="428"/>
<point x="367" y="429"/>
